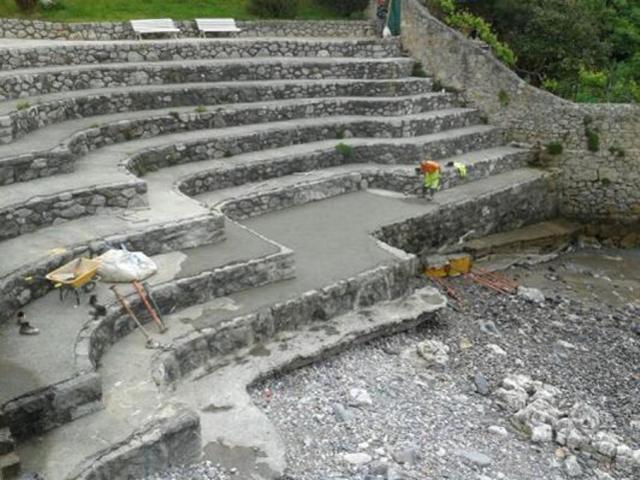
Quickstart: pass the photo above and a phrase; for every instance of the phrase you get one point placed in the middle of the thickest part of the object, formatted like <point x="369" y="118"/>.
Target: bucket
<point x="459" y="265"/>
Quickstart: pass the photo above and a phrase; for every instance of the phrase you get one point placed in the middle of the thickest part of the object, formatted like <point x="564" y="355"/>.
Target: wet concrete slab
<point x="31" y="362"/>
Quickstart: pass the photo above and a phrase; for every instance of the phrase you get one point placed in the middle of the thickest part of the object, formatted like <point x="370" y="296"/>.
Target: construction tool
<point x="145" y="285"/>
<point x="150" y="342"/>
<point x="142" y="292"/>
<point x="493" y="281"/>
<point x="450" y="291"/>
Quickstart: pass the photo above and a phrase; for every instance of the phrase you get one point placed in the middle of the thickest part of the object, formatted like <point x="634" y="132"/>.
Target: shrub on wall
<point x="346" y="8"/>
<point x="472" y="25"/>
<point x="274" y="8"/>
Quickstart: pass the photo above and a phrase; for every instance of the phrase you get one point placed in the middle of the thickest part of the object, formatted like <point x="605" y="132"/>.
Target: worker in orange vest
<point x="430" y="171"/>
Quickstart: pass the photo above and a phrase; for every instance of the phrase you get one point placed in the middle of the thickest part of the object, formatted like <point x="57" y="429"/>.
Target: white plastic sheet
<point x="123" y="266"/>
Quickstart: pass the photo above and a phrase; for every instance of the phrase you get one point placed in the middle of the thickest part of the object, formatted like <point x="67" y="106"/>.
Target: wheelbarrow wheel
<point x="89" y="286"/>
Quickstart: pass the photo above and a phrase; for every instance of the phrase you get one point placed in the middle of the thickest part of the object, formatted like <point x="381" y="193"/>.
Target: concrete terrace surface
<point x="330" y="239"/>
<point x="27" y="363"/>
<point x="331" y="242"/>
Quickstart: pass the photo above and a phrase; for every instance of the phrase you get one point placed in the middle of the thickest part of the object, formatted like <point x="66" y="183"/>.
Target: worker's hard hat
<point x="429" y="166"/>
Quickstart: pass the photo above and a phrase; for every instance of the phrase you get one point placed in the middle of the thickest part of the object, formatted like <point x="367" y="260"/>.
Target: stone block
<point x="7" y="443"/>
<point x="9" y="466"/>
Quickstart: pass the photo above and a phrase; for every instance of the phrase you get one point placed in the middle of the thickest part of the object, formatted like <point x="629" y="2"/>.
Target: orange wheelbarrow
<point x="79" y="274"/>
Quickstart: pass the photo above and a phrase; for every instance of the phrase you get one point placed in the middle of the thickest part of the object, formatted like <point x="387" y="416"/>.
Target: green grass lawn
<point x="96" y="10"/>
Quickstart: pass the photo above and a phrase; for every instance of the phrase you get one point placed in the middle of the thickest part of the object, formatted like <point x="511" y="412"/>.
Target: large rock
<point x="531" y="294"/>
<point x="434" y="352"/>
<point x="359" y="397"/>
<point x="357" y="458"/>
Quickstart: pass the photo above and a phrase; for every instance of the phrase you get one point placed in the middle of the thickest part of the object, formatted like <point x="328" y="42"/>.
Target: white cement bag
<point x="124" y="266"/>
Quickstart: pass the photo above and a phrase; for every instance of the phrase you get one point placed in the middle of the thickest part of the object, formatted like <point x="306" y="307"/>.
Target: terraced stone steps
<point x="20" y="117"/>
<point x="63" y="332"/>
<point x="80" y="136"/>
<point x="108" y="148"/>
<point x="82" y="52"/>
<point x="257" y="198"/>
<point x="45" y="80"/>
<point x="258" y="299"/>
<point x="168" y="206"/>
<point x="99" y="172"/>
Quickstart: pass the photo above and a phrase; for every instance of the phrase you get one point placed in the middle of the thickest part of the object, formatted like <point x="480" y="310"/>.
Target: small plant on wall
<point x="592" y="134"/>
<point x="345" y="150"/>
<point x="554" y="148"/>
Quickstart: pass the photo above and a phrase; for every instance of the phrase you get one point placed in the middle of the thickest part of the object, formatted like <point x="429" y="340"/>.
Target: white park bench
<point x="156" y="25"/>
<point x="216" y="25"/>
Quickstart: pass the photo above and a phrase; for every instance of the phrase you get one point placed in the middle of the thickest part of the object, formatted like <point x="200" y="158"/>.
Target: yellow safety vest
<point x="461" y="168"/>
<point x="432" y="180"/>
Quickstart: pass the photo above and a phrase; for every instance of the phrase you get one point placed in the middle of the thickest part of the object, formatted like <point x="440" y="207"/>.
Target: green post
<point x="394" y="17"/>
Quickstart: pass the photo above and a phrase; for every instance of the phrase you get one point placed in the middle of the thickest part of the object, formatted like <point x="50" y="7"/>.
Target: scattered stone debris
<point x="434" y="352"/>
<point x="359" y="397"/>
<point x="564" y="371"/>
<point x="532" y="294"/>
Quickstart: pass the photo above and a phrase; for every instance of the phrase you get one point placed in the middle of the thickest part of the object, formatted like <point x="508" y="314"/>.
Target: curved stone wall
<point x="602" y="185"/>
<point x="19" y="122"/>
<point x="19" y="28"/>
<point x="173" y="438"/>
<point x="74" y="78"/>
<point x="78" y="53"/>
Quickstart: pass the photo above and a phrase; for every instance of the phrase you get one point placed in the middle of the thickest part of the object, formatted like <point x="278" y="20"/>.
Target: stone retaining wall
<point x="97" y="336"/>
<point x="43" y="211"/>
<point x="123" y="52"/>
<point x="278" y="137"/>
<point x="171" y="439"/>
<point x="496" y="211"/>
<point x="57" y="404"/>
<point x="16" y="291"/>
<point x="35" y="165"/>
<point x="45" y="409"/>
<point x="60" y="159"/>
<point x="63" y="79"/>
<point x="601" y="185"/>
<point x="18" y="123"/>
<point x="368" y="176"/>
<point x="199" y="348"/>
<point x="399" y="180"/>
<point x="18" y="28"/>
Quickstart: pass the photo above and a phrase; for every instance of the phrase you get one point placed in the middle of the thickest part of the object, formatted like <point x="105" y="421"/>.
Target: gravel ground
<point x="382" y="411"/>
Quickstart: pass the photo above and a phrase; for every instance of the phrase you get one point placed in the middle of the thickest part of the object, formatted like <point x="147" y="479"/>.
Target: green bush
<point x="274" y="8"/>
<point x="554" y="148"/>
<point x="26" y="5"/>
<point x="503" y="98"/>
<point x="22" y="105"/>
<point x="346" y="8"/>
<point x="469" y="23"/>
<point x="592" y="134"/>
<point x="418" y="70"/>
